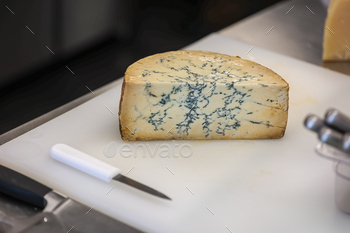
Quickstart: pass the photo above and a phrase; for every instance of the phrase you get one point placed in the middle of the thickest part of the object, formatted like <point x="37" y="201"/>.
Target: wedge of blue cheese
<point x="201" y="95"/>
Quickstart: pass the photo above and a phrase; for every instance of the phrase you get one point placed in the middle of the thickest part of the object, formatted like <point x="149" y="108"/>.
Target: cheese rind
<point x="336" y="41"/>
<point x="201" y="95"/>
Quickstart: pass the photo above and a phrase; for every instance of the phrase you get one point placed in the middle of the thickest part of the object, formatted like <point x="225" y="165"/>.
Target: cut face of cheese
<point x="336" y="41"/>
<point x="201" y="95"/>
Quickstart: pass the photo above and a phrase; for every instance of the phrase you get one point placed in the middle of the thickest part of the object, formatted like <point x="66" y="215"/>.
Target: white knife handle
<point x="83" y="162"/>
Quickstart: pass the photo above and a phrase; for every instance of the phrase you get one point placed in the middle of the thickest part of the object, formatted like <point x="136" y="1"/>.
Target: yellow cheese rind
<point x="336" y="41"/>
<point x="201" y="95"/>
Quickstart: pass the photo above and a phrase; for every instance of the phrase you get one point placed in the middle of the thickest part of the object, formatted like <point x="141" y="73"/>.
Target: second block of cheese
<point x="201" y="95"/>
<point x="336" y="41"/>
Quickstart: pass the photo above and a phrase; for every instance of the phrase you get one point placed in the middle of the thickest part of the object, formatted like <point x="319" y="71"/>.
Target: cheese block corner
<point x="201" y="95"/>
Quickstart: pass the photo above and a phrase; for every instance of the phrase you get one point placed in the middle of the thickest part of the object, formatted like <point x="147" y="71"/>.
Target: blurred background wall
<point x="97" y="40"/>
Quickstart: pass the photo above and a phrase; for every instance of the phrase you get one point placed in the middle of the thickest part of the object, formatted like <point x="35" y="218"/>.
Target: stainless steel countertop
<point x="293" y="28"/>
<point x="297" y="32"/>
<point x="54" y="113"/>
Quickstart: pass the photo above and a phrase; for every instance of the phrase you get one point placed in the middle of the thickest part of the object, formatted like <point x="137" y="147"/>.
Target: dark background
<point x="97" y="40"/>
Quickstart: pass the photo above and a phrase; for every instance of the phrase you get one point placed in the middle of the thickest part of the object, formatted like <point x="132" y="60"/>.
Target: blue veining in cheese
<point x="201" y="95"/>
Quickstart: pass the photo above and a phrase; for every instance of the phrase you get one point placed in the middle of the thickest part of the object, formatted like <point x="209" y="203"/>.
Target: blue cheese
<point x="201" y="95"/>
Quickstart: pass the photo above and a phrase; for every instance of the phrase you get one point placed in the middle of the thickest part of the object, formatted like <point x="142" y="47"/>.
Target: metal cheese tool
<point x="59" y="215"/>
<point x="337" y="120"/>
<point x="327" y="134"/>
<point x="97" y="168"/>
<point x="331" y="137"/>
<point x="313" y="123"/>
<point x="335" y="139"/>
<point x="346" y="143"/>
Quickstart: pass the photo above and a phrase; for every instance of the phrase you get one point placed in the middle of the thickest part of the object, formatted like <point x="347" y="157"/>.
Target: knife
<point x="104" y="171"/>
<point x="337" y="120"/>
<point x="60" y="214"/>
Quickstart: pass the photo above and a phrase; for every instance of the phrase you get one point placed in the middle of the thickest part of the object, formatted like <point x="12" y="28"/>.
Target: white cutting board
<point x="239" y="186"/>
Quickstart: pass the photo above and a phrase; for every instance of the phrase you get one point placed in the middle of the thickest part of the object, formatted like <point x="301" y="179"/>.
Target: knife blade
<point x="90" y="165"/>
<point x="60" y="214"/>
